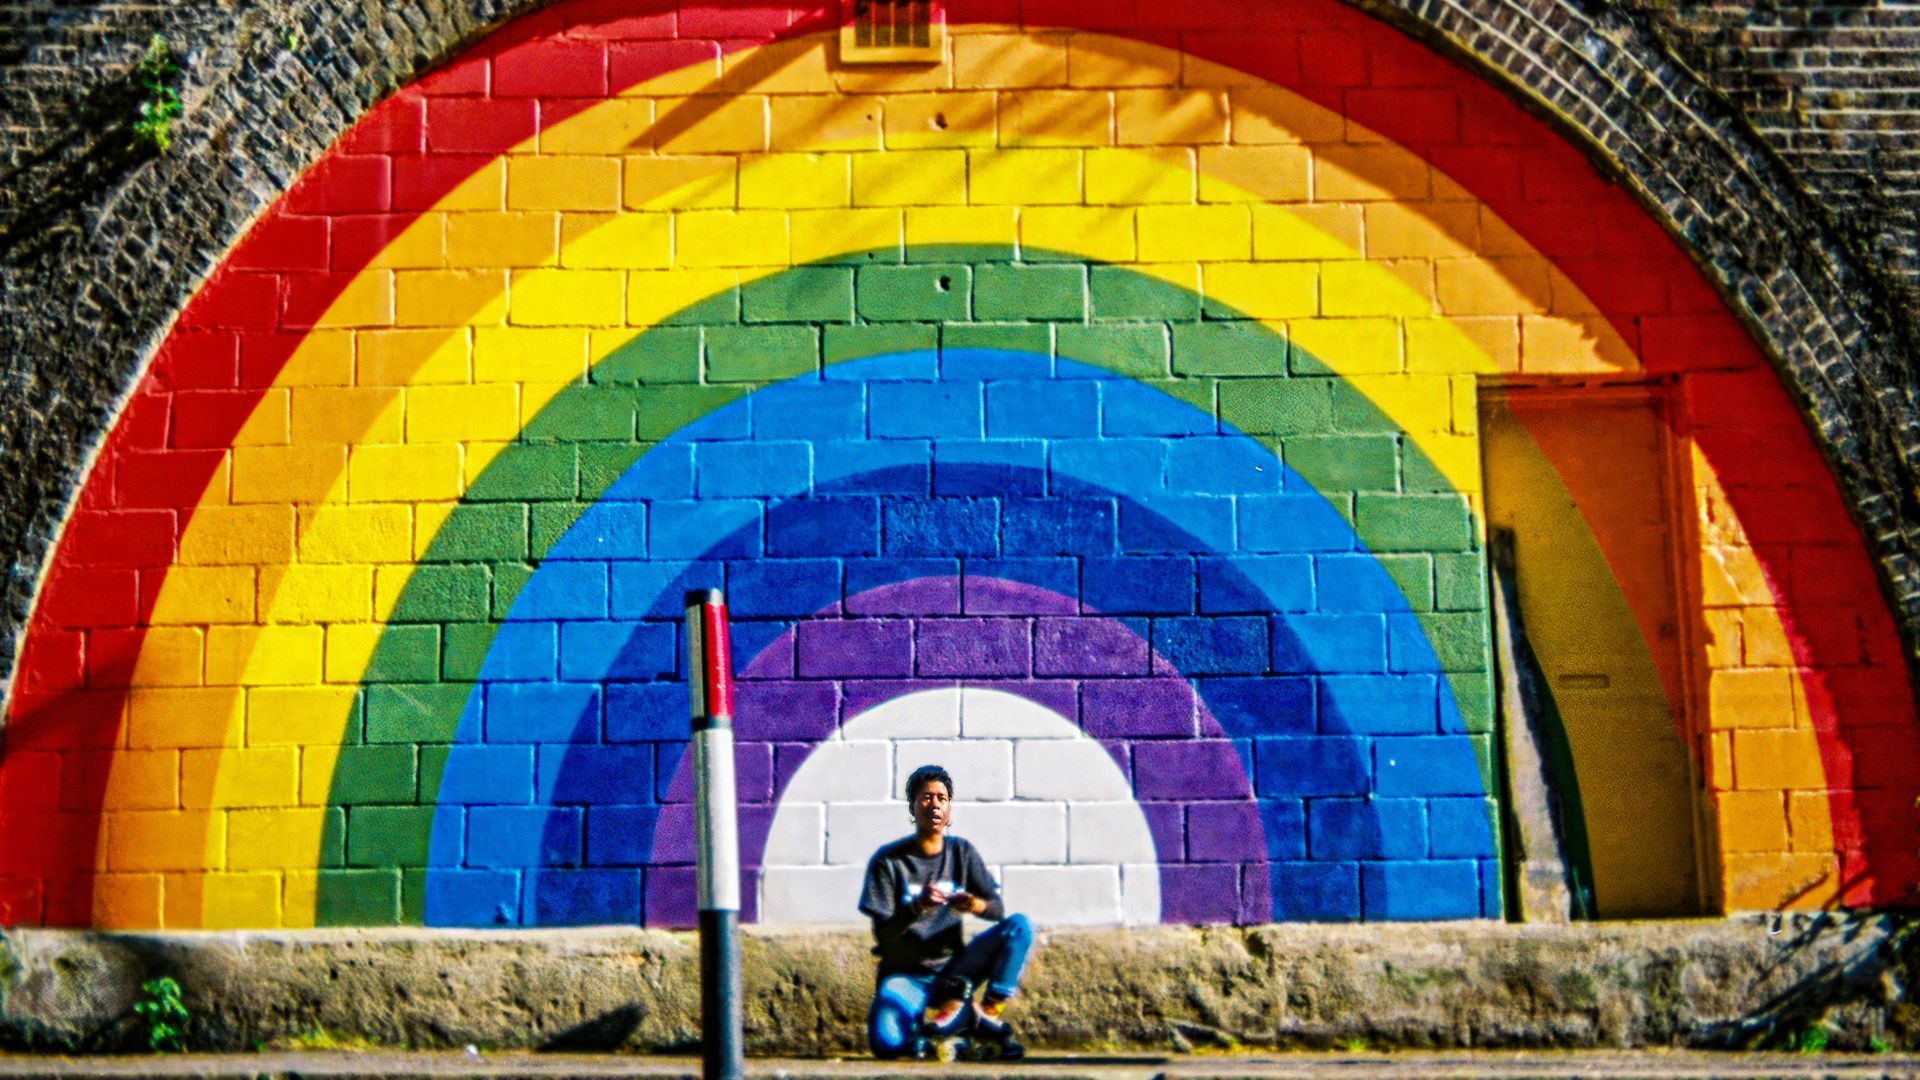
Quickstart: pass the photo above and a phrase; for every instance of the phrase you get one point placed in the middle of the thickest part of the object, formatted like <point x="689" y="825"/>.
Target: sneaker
<point x="989" y="1050"/>
<point x="993" y="1039"/>
<point x="945" y="1018"/>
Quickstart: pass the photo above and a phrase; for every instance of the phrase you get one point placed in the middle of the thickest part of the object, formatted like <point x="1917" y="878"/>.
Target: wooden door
<point x="1584" y="479"/>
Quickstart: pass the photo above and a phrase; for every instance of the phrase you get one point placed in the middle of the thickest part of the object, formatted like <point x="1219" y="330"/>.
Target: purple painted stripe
<point x="1190" y="781"/>
<point x="973" y="648"/>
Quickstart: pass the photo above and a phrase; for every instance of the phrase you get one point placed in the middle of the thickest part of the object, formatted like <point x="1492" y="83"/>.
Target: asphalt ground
<point x="1496" y="1065"/>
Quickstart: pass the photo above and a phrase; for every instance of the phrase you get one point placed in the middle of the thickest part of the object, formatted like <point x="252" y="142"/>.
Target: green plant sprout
<point x="164" y="1013"/>
<point x="155" y="76"/>
<point x="1812" y="1040"/>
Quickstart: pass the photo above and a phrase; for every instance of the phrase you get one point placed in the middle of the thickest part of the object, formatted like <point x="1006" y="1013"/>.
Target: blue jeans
<point x="996" y="954"/>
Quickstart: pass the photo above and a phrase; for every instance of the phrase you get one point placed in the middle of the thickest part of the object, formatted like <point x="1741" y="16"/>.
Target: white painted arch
<point x="1047" y="806"/>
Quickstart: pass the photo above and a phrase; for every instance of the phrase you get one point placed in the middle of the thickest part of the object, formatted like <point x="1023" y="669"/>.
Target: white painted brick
<point x="812" y="894"/>
<point x="856" y="830"/>
<point x="998" y="714"/>
<point x="1015" y="832"/>
<point x="928" y="714"/>
<point x="1071" y="769"/>
<point x="1047" y="804"/>
<point x="859" y="771"/>
<point x="1065" y="895"/>
<point x="1108" y="832"/>
<point x="798" y="835"/>
<point x="982" y="769"/>
<point x="1140" y="893"/>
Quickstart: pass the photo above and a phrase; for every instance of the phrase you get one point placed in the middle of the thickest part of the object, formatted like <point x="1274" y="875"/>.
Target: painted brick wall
<point x="1808" y="84"/>
<point x="972" y="507"/>
<point x="1098" y="414"/>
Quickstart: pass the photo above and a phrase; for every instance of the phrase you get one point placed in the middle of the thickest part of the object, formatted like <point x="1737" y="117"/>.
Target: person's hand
<point x="966" y="902"/>
<point x="932" y="896"/>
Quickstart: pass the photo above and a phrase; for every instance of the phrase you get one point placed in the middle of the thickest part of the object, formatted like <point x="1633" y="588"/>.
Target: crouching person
<point x="916" y="890"/>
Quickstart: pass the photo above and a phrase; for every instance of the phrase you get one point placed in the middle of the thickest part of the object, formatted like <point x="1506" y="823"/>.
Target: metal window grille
<point x="891" y="31"/>
<point x="889" y="23"/>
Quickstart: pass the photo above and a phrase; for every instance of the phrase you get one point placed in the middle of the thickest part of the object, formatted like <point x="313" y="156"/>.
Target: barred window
<point x="892" y="31"/>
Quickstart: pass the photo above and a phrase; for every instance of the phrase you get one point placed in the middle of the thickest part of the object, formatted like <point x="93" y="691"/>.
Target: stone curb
<point x="347" y="1065"/>
<point x="1743" y="983"/>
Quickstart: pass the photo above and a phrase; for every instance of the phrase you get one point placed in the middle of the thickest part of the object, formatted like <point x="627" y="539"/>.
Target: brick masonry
<point x="880" y="552"/>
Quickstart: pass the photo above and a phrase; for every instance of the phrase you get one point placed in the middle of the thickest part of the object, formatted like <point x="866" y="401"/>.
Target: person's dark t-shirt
<point x="905" y="940"/>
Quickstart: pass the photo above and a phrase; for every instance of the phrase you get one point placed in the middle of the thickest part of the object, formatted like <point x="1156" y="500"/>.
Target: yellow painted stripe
<point x="1749" y="646"/>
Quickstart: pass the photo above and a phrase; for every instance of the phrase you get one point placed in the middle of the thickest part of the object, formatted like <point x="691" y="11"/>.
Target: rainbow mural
<point x="1097" y="411"/>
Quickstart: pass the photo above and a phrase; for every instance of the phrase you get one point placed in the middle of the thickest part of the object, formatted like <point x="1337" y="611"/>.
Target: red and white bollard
<point x="716" y="833"/>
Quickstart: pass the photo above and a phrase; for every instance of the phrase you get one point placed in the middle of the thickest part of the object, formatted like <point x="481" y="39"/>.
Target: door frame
<point x="1678" y="492"/>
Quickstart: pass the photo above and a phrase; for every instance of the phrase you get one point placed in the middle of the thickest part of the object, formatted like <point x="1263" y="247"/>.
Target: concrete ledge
<point x="1294" y="1065"/>
<point x="1746" y="982"/>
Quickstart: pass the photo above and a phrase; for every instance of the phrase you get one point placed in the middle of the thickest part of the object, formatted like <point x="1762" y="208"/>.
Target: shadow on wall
<point x="1850" y="991"/>
<point x="51" y="187"/>
<point x="608" y="1031"/>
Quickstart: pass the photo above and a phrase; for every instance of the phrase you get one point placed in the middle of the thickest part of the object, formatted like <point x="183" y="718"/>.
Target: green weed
<point x="1812" y="1040"/>
<point x="156" y="76"/>
<point x="164" y="1013"/>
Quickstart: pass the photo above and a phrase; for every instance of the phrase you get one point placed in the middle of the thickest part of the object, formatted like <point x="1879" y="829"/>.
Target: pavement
<point x="1496" y="1065"/>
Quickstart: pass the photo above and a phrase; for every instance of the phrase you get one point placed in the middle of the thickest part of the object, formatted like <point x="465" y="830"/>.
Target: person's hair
<point x="927" y="774"/>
